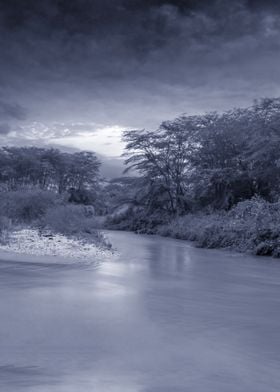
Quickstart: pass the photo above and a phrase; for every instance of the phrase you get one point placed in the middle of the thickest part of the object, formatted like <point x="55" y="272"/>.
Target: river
<point x="160" y="316"/>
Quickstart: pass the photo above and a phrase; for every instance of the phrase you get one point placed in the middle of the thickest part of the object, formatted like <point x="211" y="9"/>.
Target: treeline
<point x="206" y="165"/>
<point x="213" y="160"/>
<point x="48" y="169"/>
<point x="50" y="189"/>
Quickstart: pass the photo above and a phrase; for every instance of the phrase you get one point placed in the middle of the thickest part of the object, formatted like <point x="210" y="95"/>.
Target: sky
<point x="76" y="73"/>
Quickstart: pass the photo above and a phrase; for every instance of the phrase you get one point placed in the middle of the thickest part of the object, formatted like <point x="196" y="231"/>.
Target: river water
<point x="160" y="316"/>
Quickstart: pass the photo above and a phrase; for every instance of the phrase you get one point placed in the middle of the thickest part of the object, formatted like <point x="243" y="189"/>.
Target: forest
<point x="213" y="179"/>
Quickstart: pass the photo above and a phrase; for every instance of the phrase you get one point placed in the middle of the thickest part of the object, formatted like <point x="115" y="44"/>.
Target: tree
<point x="48" y="169"/>
<point x="212" y="160"/>
<point x="162" y="157"/>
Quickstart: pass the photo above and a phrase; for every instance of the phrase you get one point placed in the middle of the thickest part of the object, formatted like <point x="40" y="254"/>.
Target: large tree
<point x="213" y="160"/>
<point x="162" y="157"/>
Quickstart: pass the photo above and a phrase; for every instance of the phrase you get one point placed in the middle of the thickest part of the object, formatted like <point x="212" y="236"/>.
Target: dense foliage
<point x="48" y="169"/>
<point x="211" y="178"/>
<point x="209" y="161"/>
<point x="51" y="190"/>
<point x="252" y="225"/>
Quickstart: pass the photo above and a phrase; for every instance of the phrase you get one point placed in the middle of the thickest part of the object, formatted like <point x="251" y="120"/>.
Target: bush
<point x="252" y="225"/>
<point x="26" y="205"/>
<point x="71" y="220"/>
<point x="136" y="219"/>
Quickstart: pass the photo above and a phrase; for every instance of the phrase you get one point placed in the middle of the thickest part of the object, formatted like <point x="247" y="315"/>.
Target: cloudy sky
<point x="75" y="73"/>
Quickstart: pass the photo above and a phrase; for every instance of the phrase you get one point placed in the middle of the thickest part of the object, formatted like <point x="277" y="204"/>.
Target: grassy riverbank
<point x="33" y="242"/>
<point x="251" y="226"/>
<point x="44" y="223"/>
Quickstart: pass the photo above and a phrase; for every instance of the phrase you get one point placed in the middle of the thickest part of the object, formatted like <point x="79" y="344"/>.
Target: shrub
<point x="70" y="220"/>
<point x="136" y="219"/>
<point x="26" y="205"/>
<point x="252" y="225"/>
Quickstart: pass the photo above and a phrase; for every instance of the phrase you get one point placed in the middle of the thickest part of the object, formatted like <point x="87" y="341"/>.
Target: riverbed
<point x="158" y="316"/>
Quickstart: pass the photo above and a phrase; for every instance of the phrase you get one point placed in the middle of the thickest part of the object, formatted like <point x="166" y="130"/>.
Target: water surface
<point x="161" y="316"/>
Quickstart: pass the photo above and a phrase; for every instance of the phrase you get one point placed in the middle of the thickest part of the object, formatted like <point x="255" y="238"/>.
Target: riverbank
<point x="31" y="242"/>
<point x="252" y="226"/>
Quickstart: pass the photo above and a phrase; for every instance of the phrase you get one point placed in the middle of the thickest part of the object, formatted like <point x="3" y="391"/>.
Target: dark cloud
<point x="4" y="129"/>
<point x="96" y="40"/>
<point x="136" y="62"/>
<point x="10" y="110"/>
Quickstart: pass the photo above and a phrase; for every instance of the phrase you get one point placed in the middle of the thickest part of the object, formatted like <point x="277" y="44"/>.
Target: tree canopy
<point x="48" y="169"/>
<point x="213" y="160"/>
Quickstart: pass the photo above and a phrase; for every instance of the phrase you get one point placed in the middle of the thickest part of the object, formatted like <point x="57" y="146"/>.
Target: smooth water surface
<point x="161" y="316"/>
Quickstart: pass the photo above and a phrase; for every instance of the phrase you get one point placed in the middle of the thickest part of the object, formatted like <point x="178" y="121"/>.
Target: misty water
<point x="160" y="316"/>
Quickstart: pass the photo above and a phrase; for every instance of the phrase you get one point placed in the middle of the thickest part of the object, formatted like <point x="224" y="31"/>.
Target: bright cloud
<point x="85" y="136"/>
<point x="104" y="140"/>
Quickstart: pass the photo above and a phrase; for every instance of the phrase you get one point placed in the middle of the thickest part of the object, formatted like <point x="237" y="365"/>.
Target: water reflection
<point x="165" y="260"/>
